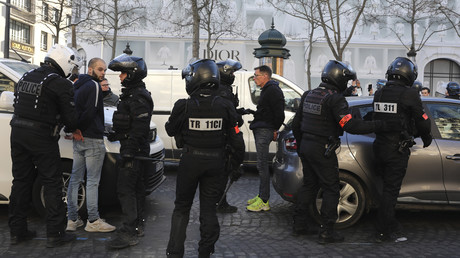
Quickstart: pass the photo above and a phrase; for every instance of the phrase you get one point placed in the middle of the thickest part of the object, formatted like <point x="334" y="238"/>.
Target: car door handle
<point x="454" y="157"/>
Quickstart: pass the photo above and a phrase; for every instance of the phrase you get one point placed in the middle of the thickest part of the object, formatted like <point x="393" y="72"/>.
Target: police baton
<point x="225" y="193"/>
<point x="147" y="158"/>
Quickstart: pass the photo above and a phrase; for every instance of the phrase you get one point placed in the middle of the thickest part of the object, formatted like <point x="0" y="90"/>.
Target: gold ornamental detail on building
<point x="22" y="47"/>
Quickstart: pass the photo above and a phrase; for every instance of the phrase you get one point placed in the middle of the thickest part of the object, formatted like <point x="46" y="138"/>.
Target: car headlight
<point x="152" y="135"/>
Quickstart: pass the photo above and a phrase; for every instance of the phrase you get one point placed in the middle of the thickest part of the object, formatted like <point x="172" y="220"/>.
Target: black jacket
<point x="89" y="106"/>
<point x="270" y="109"/>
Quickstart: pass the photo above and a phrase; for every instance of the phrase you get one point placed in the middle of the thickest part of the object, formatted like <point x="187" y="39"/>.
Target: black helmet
<point x="338" y="74"/>
<point x="201" y="74"/>
<point x="418" y="85"/>
<point x="226" y="69"/>
<point x="135" y="67"/>
<point x="453" y="88"/>
<point x="381" y="83"/>
<point x="402" y="69"/>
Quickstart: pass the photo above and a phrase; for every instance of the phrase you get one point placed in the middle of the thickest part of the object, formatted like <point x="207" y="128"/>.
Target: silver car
<point x="432" y="180"/>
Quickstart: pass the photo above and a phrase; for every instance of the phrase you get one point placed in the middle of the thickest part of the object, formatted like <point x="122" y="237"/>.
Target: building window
<point x="68" y="20"/>
<point x="45" y="12"/>
<point x="20" y="32"/>
<point x="22" y="4"/>
<point x="55" y="17"/>
<point x="44" y="41"/>
<point x="438" y="73"/>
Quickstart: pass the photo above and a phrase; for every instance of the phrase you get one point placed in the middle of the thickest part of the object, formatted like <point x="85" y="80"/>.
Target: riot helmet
<point x="133" y="66"/>
<point x="453" y="88"/>
<point x="64" y="59"/>
<point x="226" y="70"/>
<point x="201" y="75"/>
<point x="338" y="74"/>
<point x="418" y="85"/>
<point x="402" y="69"/>
<point x="381" y="83"/>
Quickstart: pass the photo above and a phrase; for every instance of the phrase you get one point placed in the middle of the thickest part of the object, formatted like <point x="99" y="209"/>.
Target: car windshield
<point x="20" y="67"/>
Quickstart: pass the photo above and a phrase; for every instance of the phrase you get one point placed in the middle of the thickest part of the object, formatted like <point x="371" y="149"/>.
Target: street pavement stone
<point x="246" y="234"/>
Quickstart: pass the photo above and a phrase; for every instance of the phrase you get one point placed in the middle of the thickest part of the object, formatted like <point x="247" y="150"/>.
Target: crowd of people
<point x="211" y="157"/>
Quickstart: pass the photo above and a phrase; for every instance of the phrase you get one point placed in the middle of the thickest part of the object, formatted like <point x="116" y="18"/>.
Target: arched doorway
<point x="438" y="73"/>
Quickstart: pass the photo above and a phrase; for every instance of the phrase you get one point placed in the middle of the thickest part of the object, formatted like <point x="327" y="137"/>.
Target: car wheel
<point x="351" y="205"/>
<point x="39" y="196"/>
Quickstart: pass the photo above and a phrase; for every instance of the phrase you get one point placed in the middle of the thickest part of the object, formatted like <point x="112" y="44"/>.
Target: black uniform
<point x="43" y="101"/>
<point x="400" y="102"/>
<point x="207" y="125"/>
<point x="131" y="123"/>
<point x="321" y="118"/>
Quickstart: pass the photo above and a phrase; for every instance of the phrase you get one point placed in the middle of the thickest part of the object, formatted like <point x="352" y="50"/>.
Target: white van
<point x="167" y="86"/>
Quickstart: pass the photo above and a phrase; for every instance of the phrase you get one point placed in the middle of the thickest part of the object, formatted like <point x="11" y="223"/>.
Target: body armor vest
<point x="205" y="123"/>
<point x="121" y="117"/>
<point x="317" y="118"/>
<point x="31" y="99"/>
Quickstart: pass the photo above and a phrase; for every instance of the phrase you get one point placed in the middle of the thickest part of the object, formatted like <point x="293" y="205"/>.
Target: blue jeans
<point x="87" y="155"/>
<point x="263" y="137"/>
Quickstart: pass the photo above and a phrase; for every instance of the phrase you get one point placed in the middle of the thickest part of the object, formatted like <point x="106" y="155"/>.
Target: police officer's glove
<point x="236" y="174"/>
<point x="112" y="136"/>
<point x="427" y="140"/>
<point x="127" y="161"/>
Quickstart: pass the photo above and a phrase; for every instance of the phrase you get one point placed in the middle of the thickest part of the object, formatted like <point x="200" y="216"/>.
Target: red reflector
<point x="290" y="144"/>
<point x="287" y="195"/>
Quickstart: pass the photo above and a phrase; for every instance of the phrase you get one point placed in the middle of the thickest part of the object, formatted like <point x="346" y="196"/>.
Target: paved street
<point x="245" y="234"/>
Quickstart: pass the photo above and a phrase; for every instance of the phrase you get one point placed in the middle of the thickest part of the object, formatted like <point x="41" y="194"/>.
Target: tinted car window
<point x="447" y="119"/>
<point x="289" y="94"/>
<point x="6" y="84"/>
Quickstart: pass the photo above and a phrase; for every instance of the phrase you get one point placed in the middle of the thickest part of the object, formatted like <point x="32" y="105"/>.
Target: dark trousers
<point x="131" y="193"/>
<point x="30" y="148"/>
<point x="318" y="171"/>
<point x="207" y="173"/>
<point x="391" y="167"/>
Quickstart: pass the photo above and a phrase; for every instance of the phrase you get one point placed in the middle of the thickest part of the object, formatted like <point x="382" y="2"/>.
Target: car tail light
<point x="290" y="144"/>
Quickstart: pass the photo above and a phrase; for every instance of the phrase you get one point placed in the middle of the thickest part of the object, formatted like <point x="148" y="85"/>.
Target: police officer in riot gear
<point x="43" y="104"/>
<point x="397" y="100"/>
<point x="418" y="86"/>
<point x="131" y="123"/>
<point x="227" y="77"/>
<point x="453" y="90"/>
<point x="322" y="117"/>
<point x="207" y="124"/>
<point x="381" y="83"/>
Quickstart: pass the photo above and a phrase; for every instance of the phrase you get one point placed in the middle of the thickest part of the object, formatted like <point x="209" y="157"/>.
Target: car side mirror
<point x="296" y="104"/>
<point x="7" y="101"/>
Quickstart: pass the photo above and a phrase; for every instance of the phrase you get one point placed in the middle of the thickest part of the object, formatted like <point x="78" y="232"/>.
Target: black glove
<point x="427" y="140"/>
<point x="127" y="161"/>
<point x="243" y="111"/>
<point x="112" y="137"/>
<point x="236" y="174"/>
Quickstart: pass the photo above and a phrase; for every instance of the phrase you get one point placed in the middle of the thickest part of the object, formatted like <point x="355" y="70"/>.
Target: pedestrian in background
<point x="110" y="98"/>
<point x="425" y="92"/>
<point x="268" y="118"/>
<point x="398" y="100"/>
<point x="89" y="153"/>
<point x="131" y="123"/>
<point x="322" y="117"/>
<point x="453" y="90"/>
<point x="207" y="123"/>
<point x="43" y="102"/>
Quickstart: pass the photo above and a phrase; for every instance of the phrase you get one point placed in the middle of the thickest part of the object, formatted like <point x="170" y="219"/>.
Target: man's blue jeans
<point x="87" y="155"/>
<point x="263" y="137"/>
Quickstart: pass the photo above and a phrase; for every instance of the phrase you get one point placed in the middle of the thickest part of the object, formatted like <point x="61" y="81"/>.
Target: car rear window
<point x="446" y="117"/>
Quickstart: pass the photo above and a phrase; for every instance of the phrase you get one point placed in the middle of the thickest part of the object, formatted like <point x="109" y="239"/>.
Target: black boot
<point x="328" y="235"/>
<point x="224" y="207"/>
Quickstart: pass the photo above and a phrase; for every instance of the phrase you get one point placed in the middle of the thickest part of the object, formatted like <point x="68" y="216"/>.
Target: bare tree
<point x="108" y="18"/>
<point x="305" y="10"/>
<point x="338" y="19"/>
<point x="216" y="17"/>
<point x="425" y="19"/>
<point x="56" y="18"/>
